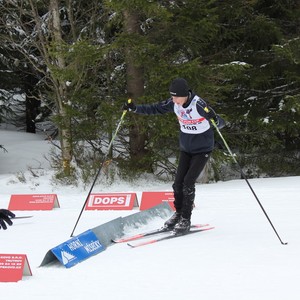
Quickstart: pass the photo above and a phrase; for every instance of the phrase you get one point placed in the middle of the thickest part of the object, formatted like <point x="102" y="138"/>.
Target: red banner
<point x="112" y="201"/>
<point x="13" y="267"/>
<point x="150" y="199"/>
<point x="33" y="202"/>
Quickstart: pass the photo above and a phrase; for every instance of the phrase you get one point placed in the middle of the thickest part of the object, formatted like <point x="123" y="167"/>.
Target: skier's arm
<point x="150" y="109"/>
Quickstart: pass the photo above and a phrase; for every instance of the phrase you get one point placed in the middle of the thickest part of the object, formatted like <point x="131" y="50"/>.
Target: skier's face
<point x="179" y="100"/>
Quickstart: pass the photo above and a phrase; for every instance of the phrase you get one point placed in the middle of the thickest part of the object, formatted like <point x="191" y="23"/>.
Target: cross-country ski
<point x="149" y="233"/>
<point x="170" y="235"/>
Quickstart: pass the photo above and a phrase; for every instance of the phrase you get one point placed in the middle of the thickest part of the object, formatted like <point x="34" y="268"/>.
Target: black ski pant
<point x="189" y="168"/>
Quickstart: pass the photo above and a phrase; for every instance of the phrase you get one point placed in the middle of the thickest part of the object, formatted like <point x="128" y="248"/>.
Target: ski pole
<point x="101" y="166"/>
<point x="244" y="177"/>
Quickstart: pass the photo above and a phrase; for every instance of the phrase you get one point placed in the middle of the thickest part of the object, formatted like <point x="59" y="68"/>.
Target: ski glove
<point x="129" y="106"/>
<point x="5" y="216"/>
<point x="211" y="114"/>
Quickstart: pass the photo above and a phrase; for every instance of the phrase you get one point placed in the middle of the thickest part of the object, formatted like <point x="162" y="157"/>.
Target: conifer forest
<point x="67" y="67"/>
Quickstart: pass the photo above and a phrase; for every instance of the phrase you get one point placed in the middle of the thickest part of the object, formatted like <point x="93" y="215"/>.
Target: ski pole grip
<point x="124" y="107"/>
<point x="212" y="120"/>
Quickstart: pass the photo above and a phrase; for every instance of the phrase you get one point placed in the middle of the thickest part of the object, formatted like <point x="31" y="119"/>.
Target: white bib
<point x="189" y="119"/>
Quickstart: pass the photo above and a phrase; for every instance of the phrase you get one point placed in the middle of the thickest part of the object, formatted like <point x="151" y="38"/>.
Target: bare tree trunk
<point x="135" y="89"/>
<point x="61" y="92"/>
<point x="32" y="104"/>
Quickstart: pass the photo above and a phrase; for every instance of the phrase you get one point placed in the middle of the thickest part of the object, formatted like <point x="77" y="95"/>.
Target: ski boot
<point x="183" y="226"/>
<point x="170" y="223"/>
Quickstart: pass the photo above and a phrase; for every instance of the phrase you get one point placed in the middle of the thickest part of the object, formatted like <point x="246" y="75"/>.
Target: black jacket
<point x="190" y="143"/>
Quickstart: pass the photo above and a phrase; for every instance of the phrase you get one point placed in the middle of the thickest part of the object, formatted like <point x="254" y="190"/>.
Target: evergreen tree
<point x="172" y="42"/>
<point x="82" y="60"/>
<point x="251" y="31"/>
<point x="53" y="39"/>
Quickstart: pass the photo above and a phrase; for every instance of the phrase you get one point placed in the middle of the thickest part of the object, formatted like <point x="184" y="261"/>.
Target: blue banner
<point x="78" y="249"/>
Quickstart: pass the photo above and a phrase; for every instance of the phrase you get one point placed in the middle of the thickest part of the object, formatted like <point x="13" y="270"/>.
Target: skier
<point x="5" y="217"/>
<point x="196" y="144"/>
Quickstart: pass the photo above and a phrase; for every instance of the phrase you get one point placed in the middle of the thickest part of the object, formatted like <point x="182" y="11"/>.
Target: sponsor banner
<point x="112" y="201"/>
<point x="13" y="267"/>
<point x="192" y="122"/>
<point x="33" y="202"/>
<point x="151" y="199"/>
<point x="78" y="249"/>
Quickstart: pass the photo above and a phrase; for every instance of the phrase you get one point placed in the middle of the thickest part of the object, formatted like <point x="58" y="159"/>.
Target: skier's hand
<point x="129" y="105"/>
<point x="5" y="217"/>
<point x="211" y="114"/>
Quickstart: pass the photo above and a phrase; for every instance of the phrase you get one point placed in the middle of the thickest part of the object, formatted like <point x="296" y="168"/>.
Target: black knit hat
<point x="179" y="87"/>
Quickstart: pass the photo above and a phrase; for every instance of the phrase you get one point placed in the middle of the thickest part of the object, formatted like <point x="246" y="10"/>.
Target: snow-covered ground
<point x="240" y="259"/>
